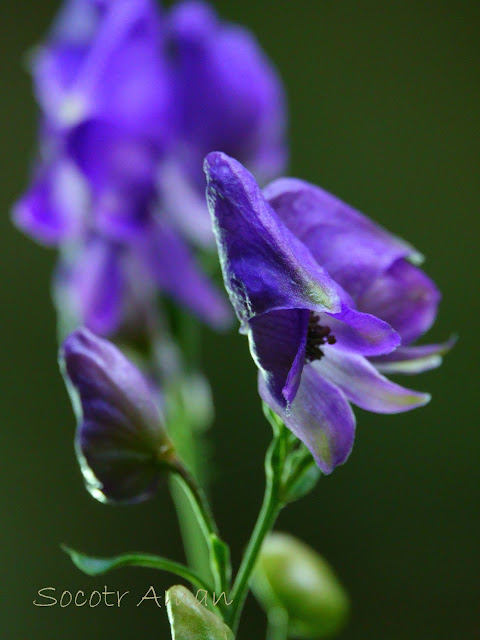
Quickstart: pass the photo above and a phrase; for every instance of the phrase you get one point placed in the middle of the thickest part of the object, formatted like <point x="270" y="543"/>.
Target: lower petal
<point x="411" y="360"/>
<point x="320" y="417"/>
<point x="365" y="386"/>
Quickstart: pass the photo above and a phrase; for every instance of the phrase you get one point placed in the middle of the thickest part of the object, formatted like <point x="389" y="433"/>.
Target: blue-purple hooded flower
<point x="314" y="344"/>
<point x="101" y="64"/>
<point x="121" y="442"/>
<point x="379" y="270"/>
<point x="132" y="98"/>
<point x="113" y="285"/>
<point x="227" y="96"/>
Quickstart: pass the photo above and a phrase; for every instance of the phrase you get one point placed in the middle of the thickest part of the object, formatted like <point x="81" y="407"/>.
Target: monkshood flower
<point x="313" y="346"/>
<point x="378" y="269"/>
<point x="227" y="96"/>
<point x="131" y="100"/>
<point x="113" y="285"/>
<point x="121" y="442"/>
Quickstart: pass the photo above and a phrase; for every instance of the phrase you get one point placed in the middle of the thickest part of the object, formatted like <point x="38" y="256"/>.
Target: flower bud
<point x="121" y="443"/>
<point x="293" y="577"/>
<point x="189" y="618"/>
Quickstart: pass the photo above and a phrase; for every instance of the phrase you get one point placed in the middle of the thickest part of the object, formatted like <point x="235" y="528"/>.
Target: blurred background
<point x="384" y="112"/>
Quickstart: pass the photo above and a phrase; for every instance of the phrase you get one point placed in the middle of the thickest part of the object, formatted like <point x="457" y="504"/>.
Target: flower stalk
<point x="219" y="556"/>
<point x="185" y="433"/>
<point x="271" y="507"/>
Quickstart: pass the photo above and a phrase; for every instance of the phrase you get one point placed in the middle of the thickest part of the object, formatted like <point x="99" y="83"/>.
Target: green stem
<point x="196" y="551"/>
<point x="186" y="332"/>
<point x="271" y="507"/>
<point x="174" y="348"/>
<point x="217" y="549"/>
<point x="198" y="502"/>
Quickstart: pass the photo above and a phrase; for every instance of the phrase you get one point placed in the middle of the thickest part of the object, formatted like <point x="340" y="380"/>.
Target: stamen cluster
<point x="317" y="336"/>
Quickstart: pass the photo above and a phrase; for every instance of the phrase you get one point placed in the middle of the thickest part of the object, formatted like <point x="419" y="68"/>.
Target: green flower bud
<point x="293" y="577"/>
<point x="190" y="619"/>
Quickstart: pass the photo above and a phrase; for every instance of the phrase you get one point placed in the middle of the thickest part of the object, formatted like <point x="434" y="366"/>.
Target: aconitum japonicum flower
<point x="379" y="270"/>
<point x="227" y="96"/>
<point x="315" y="347"/>
<point x="131" y="100"/>
<point x="121" y="442"/>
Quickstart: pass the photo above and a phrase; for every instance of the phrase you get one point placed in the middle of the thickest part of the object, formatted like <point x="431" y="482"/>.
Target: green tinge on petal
<point x="419" y="365"/>
<point x="322" y="298"/>
<point x="404" y="361"/>
<point x="189" y="618"/>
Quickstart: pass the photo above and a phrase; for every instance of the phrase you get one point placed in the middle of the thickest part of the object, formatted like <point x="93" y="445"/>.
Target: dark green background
<point x="383" y="99"/>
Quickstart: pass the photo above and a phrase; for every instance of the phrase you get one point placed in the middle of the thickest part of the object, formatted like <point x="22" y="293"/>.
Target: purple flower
<point x="375" y="267"/>
<point x="112" y="285"/>
<point x="101" y="63"/>
<point x="227" y="96"/>
<point x="313" y="344"/>
<point x="121" y="443"/>
<point x="131" y="101"/>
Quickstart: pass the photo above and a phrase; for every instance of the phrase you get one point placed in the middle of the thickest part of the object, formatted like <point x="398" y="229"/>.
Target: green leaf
<point x="221" y="560"/>
<point x="190" y="620"/>
<point x="94" y="566"/>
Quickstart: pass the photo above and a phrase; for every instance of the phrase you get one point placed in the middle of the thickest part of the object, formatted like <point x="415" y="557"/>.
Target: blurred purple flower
<point x="121" y="442"/>
<point x="131" y="101"/>
<point x="227" y="96"/>
<point x="112" y="285"/>
<point x="311" y="333"/>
